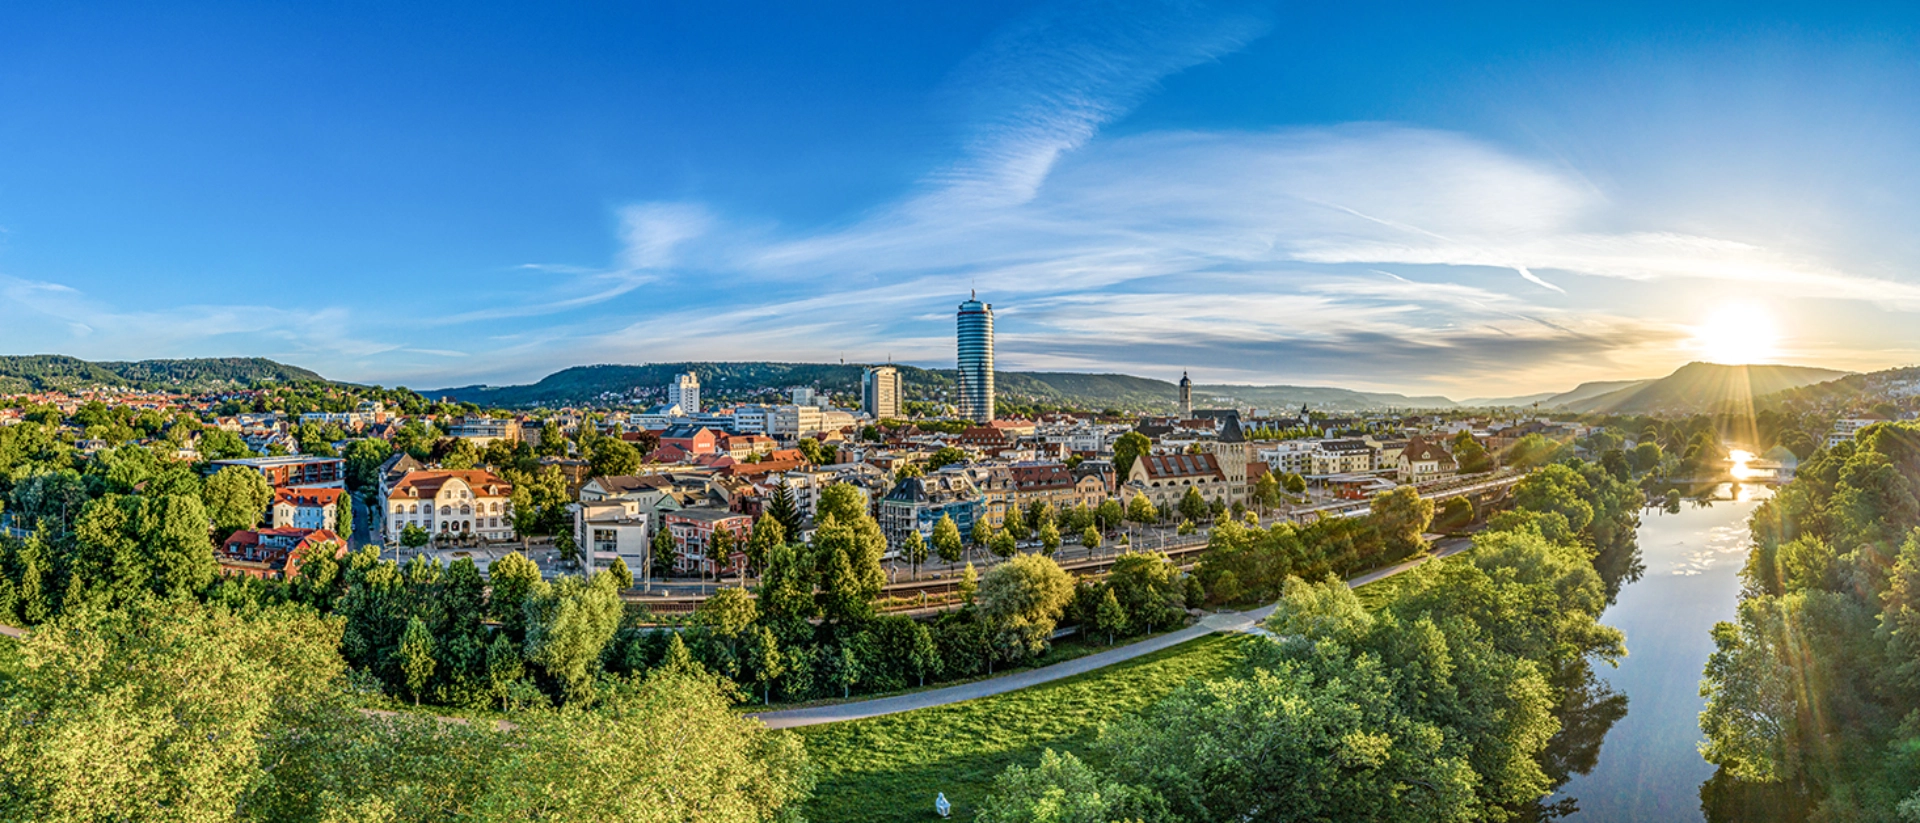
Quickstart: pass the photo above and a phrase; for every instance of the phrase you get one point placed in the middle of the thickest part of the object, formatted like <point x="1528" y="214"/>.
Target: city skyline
<point x="1262" y="196"/>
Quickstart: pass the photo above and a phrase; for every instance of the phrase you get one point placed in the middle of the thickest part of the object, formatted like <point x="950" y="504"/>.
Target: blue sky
<point x="1494" y="199"/>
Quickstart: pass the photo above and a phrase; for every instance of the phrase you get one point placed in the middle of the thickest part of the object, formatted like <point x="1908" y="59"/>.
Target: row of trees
<point x="1467" y="696"/>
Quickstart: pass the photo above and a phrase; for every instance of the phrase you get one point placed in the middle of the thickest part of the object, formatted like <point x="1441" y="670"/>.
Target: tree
<point x="1294" y="483"/>
<point x="945" y="456"/>
<point x="1109" y="514"/>
<point x="1402" y="517"/>
<point x="413" y="537"/>
<point x="946" y="539"/>
<point x="914" y="549"/>
<point x="182" y="708"/>
<point x="1023" y="598"/>
<point x="846" y="669"/>
<point x="847" y="547"/>
<point x="622" y="576"/>
<point x="504" y="669"/>
<point x="1090" y="538"/>
<point x="613" y="457"/>
<point x="1192" y="506"/>
<point x="1002" y="544"/>
<point x="1469" y="455"/>
<point x="982" y="532"/>
<point x="1061" y="789"/>
<point x="728" y="614"/>
<point x="416" y="657"/>
<point x="1110" y="617"/>
<point x="1646" y="457"/>
<point x="1015" y="523"/>
<point x="236" y="497"/>
<point x="665" y="747"/>
<point x="1126" y="449"/>
<point x="786" y="586"/>
<point x="1049" y="538"/>
<point x="1266" y="491"/>
<point x="569" y="623"/>
<point x="765" y="661"/>
<point x="513" y="579"/>
<point x="343" y="517"/>
<point x="781" y="508"/>
<point x="1148" y="587"/>
<point x="1140" y="510"/>
<point x="767" y="533"/>
<point x="923" y="657"/>
<point x="969" y="584"/>
<point x="665" y="552"/>
<point x="815" y="453"/>
<point x="720" y="550"/>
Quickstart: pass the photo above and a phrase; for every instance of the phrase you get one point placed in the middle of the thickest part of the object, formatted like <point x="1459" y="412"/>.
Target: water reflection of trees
<point x="1726" y="799"/>
<point x="1618" y="563"/>
<point x="1587" y="711"/>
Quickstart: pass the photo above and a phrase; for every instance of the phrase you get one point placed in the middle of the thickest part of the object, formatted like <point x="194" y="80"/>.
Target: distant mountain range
<point x="1693" y="387"/>
<point x="52" y="372"/>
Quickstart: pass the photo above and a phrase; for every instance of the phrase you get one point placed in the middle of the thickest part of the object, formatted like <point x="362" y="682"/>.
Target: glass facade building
<point x="976" y="360"/>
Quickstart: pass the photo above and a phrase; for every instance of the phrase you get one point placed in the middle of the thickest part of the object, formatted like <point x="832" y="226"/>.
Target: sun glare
<point x="1737" y="334"/>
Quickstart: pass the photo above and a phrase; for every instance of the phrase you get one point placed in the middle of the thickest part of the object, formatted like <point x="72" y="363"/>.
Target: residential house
<point x="300" y="507"/>
<point x="1423" y="460"/>
<point x="274" y="554"/>
<point x="693" y="530"/>
<point x="918" y="503"/>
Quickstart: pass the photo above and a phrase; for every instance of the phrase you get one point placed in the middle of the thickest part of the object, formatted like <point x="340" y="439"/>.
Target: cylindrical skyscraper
<point x="976" y="360"/>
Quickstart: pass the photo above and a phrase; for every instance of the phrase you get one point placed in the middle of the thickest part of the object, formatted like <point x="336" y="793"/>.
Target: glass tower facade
<point x="976" y="360"/>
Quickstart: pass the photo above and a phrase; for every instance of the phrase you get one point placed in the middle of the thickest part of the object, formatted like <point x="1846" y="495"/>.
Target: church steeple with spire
<point x="1186" y="397"/>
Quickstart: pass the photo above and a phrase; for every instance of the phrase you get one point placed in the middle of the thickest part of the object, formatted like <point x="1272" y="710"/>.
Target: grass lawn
<point x="888" y="768"/>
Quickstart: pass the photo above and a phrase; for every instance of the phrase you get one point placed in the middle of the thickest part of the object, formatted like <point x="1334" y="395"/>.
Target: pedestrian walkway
<point x="1247" y="621"/>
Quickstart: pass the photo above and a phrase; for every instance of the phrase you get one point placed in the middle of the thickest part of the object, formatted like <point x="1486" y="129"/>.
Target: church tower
<point x="1186" y="397"/>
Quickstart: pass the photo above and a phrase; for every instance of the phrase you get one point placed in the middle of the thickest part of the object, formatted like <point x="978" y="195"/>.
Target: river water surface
<point x="1649" y="767"/>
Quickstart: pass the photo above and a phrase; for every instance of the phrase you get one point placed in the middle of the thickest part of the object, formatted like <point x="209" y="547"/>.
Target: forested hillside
<point x="763" y="381"/>
<point x="47" y="372"/>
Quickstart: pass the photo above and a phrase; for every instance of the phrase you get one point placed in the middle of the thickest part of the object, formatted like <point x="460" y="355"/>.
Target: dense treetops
<point x="1811" y="692"/>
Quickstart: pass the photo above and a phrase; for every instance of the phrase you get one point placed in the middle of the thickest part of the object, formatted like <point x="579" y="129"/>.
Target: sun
<point x="1737" y="334"/>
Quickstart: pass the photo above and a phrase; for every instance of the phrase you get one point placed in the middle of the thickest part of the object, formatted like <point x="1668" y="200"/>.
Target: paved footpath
<point x="1224" y="622"/>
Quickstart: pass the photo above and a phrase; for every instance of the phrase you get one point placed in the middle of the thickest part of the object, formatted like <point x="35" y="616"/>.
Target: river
<point x="1649" y="767"/>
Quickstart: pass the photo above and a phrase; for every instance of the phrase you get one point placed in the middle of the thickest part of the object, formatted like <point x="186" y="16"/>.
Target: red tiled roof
<point x="303" y="496"/>
<point x="425" y="484"/>
<point x="1162" y="466"/>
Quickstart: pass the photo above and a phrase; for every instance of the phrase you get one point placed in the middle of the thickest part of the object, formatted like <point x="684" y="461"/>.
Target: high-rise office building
<point x="685" y="393"/>
<point x="880" y="392"/>
<point x="976" y="360"/>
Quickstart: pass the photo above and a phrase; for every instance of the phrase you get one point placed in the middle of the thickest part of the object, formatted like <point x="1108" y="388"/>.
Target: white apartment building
<point x="789" y="422"/>
<point x="752" y="419"/>
<point x="615" y="528"/>
<point x="1845" y="428"/>
<point x="685" y="393"/>
<point x="1289" y="456"/>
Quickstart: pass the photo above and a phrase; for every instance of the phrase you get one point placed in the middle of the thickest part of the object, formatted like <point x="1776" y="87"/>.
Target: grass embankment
<point x="889" y="768"/>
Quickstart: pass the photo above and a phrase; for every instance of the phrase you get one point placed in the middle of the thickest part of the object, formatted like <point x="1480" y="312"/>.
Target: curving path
<point x="1224" y="622"/>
